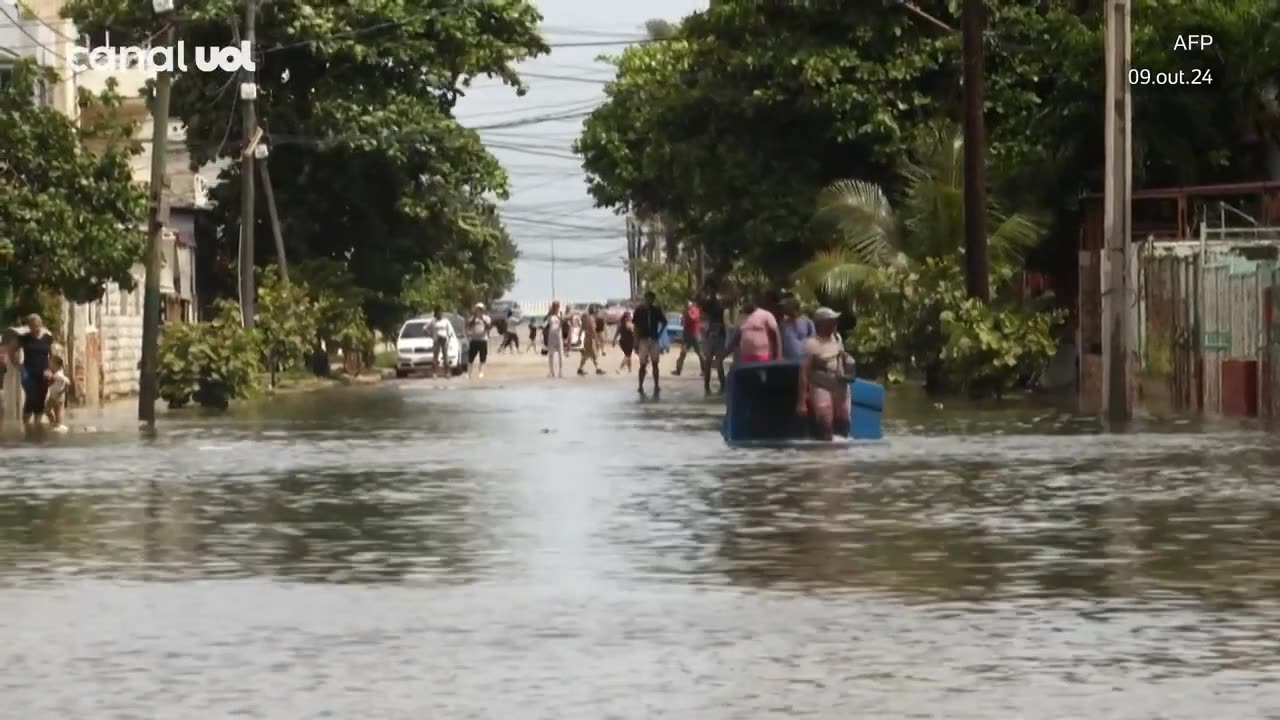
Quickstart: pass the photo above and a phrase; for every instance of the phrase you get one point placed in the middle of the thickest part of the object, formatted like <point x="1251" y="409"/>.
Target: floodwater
<point x="519" y="554"/>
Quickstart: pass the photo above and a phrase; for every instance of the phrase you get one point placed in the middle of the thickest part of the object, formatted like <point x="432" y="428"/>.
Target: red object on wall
<point x="1268" y="351"/>
<point x="1240" y="388"/>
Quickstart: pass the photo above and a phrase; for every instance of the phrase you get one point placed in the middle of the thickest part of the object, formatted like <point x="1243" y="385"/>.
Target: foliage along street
<point x="813" y="142"/>
<point x="809" y="145"/>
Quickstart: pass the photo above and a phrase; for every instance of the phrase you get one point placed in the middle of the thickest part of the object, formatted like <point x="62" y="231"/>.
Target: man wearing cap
<point x="478" y="327"/>
<point x="825" y="373"/>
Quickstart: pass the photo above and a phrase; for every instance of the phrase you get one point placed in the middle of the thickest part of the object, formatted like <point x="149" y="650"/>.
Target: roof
<point x="1219" y="190"/>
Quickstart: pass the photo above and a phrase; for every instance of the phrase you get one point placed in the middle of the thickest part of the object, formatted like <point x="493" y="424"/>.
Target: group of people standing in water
<point x="769" y="328"/>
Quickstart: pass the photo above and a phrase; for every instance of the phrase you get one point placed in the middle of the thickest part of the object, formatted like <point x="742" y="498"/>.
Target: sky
<point x="549" y="213"/>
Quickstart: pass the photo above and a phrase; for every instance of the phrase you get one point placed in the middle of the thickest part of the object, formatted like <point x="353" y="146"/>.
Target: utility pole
<point x="275" y="220"/>
<point x="977" y="276"/>
<point x="1117" y="364"/>
<point x="248" y="96"/>
<point x="148" y="383"/>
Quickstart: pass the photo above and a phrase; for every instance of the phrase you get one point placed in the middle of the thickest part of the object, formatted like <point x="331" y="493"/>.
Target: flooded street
<point x="516" y="554"/>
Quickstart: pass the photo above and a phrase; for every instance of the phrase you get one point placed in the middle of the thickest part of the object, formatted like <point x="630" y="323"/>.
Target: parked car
<point x="502" y="307"/>
<point x="614" y="310"/>
<point x="675" y="327"/>
<point x="414" y="346"/>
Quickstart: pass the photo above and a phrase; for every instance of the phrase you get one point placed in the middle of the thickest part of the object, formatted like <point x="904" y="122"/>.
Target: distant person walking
<point x="691" y="339"/>
<point x="591" y="343"/>
<point x="533" y="336"/>
<point x="626" y="338"/>
<point x="715" y="338"/>
<point x="510" y="337"/>
<point x="478" y="327"/>
<point x="650" y="323"/>
<point x="442" y="334"/>
<point x="553" y="339"/>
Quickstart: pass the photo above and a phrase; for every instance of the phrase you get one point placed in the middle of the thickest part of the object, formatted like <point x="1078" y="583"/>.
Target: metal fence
<point x="1205" y="315"/>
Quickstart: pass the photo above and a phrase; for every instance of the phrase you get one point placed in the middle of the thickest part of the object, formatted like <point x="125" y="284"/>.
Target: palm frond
<point x="862" y="216"/>
<point x="836" y="273"/>
<point x="1012" y="238"/>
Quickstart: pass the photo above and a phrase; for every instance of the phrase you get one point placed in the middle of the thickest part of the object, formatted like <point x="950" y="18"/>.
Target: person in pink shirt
<point x="758" y="337"/>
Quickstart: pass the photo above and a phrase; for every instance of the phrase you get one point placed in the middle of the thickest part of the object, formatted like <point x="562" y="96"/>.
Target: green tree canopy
<point x="730" y="128"/>
<point x="70" y="219"/>
<point x="370" y="166"/>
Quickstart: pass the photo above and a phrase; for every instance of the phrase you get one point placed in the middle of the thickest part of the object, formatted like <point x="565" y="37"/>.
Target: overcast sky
<point x="550" y="210"/>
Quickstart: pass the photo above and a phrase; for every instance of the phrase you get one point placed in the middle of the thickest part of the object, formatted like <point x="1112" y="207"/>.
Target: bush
<point x="210" y="363"/>
<point x="286" y="323"/>
<point x="920" y="319"/>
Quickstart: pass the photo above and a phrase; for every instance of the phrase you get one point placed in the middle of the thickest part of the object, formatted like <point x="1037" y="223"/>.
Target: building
<point x="103" y="342"/>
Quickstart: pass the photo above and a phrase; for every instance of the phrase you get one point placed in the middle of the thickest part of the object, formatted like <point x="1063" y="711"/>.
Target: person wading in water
<point x="626" y="339"/>
<point x="692" y="337"/>
<point x="650" y="323"/>
<point x="592" y="343"/>
<point x="478" y="327"/>
<point x="37" y="347"/>
<point x="758" y="338"/>
<point x="825" y="373"/>
<point x="796" y="329"/>
<point x="441" y="330"/>
<point x="553" y="341"/>
<point x="715" y="337"/>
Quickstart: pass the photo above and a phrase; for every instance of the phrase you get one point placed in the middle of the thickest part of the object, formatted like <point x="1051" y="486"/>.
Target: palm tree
<point x="929" y="223"/>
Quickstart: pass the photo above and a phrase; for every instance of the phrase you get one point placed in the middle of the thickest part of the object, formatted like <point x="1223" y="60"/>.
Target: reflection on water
<point x="518" y="553"/>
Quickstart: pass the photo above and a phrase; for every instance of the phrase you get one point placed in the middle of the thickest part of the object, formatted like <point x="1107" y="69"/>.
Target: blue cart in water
<point x="761" y="405"/>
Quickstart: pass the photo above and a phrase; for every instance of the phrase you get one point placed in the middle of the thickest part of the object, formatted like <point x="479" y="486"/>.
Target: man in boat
<point x="826" y="372"/>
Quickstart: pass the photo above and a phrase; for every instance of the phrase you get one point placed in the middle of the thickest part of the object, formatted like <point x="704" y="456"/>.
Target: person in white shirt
<point x="553" y="339"/>
<point x="58" y="383"/>
<point x="478" y="327"/>
<point x="442" y="332"/>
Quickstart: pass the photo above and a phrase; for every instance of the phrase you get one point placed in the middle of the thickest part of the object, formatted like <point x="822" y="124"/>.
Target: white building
<point x="103" y="339"/>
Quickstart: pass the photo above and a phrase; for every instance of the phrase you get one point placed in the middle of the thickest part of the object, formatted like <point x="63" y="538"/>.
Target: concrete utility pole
<point x="977" y="275"/>
<point x="1117" y="363"/>
<point x="148" y="383"/>
<point x="248" y="96"/>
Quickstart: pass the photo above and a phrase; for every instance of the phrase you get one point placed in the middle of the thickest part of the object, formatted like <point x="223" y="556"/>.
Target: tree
<point x="287" y="321"/>
<point x="370" y="166"/>
<point x="731" y="127"/>
<point x="69" y="218"/>
<point x="929" y="223"/>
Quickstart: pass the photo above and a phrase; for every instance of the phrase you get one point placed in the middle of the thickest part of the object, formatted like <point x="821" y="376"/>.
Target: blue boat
<point x="761" y="406"/>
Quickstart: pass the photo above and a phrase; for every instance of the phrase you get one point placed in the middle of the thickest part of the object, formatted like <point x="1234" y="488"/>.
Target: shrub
<point x="210" y="363"/>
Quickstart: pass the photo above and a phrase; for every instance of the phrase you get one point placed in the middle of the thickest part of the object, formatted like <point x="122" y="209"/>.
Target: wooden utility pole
<point x="1117" y="363"/>
<point x="248" y="96"/>
<point x="275" y="221"/>
<point x="977" y="276"/>
<point x="148" y="382"/>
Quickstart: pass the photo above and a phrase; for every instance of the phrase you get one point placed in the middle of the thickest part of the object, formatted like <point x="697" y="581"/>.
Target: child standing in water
<point x="58" y="383"/>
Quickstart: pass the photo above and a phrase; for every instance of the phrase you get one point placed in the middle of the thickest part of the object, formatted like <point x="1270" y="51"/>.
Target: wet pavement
<point x="513" y="553"/>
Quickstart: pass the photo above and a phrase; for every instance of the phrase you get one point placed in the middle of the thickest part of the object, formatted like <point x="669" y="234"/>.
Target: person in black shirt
<point x="650" y="322"/>
<point x="36" y="346"/>
<point x="716" y="337"/>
